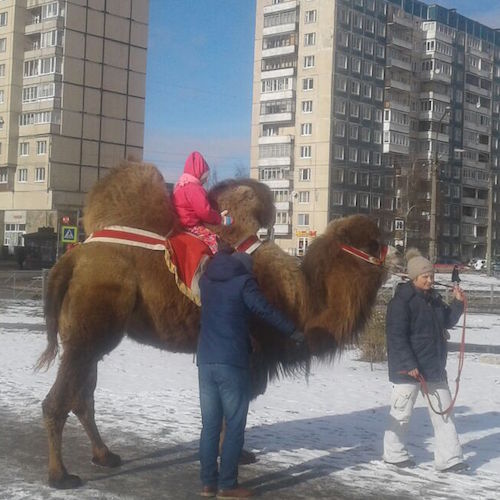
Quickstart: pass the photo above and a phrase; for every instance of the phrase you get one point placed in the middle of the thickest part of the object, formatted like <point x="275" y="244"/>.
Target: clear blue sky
<point x="199" y="83"/>
<point x="199" y="79"/>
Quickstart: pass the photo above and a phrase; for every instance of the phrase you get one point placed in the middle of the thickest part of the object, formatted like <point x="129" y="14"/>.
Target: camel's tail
<point x="57" y="285"/>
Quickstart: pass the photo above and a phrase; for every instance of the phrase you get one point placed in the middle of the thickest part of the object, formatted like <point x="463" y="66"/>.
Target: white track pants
<point x="447" y="449"/>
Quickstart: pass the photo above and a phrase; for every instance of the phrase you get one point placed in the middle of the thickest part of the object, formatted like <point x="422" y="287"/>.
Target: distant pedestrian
<point x="417" y="319"/>
<point x="455" y="277"/>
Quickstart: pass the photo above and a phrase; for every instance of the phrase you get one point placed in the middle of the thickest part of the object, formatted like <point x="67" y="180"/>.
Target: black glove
<point x="298" y="337"/>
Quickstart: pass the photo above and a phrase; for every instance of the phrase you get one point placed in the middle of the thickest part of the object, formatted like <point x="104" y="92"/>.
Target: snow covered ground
<point x="333" y="424"/>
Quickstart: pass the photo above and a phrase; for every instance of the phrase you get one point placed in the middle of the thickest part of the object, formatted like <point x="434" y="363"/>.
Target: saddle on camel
<point x="102" y="290"/>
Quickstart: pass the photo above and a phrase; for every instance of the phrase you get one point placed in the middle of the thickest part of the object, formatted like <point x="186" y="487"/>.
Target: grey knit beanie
<point x="417" y="264"/>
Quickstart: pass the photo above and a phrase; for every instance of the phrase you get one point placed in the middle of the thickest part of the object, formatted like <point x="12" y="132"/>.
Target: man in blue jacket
<point x="229" y="297"/>
<point x="416" y="323"/>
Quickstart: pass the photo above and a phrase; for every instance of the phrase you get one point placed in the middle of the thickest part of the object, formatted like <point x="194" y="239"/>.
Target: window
<point x="41" y="147"/>
<point x="302" y="219"/>
<point x="310" y="16"/>
<point x="304" y="196"/>
<point x="40" y="174"/>
<point x="337" y="198"/>
<point x="363" y="200"/>
<point x="50" y="39"/>
<point x="339" y="152"/>
<point x="2" y="70"/>
<point x="50" y="10"/>
<point x="366" y="134"/>
<point x="377" y="137"/>
<point x="3" y="44"/>
<point x="305" y="152"/>
<point x="340" y="106"/>
<point x="3" y="19"/>
<point x="355" y="87"/>
<point x="308" y="61"/>
<point x="24" y="148"/>
<point x="307" y="84"/>
<point x="307" y="106"/>
<point x="2" y="96"/>
<point x="356" y="65"/>
<point x="365" y="156"/>
<point x="309" y="39"/>
<point x="306" y="129"/>
<point x="22" y="175"/>
<point x="351" y="199"/>
<point x="40" y="117"/>
<point x="341" y="61"/>
<point x="354" y="109"/>
<point x="340" y="83"/>
<point x="376" y="201"/>
<point x="340" y="129"/>
<point x="282" y="217"/>
<point x="353" y="154"/>
<point x="304" y="174"/>
<point x="353" y="132"/>
<point x="368" y="68"/>
<point x="4" y="177"/>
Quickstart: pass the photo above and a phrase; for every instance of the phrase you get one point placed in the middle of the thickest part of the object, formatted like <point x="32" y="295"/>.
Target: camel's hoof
<point x="67" y="482"/>
<point x="247" y="457"/>
<point x="108" y="460"/>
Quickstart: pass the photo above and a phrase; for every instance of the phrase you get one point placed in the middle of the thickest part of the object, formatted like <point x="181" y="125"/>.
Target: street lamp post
<point x="434" y="193"/>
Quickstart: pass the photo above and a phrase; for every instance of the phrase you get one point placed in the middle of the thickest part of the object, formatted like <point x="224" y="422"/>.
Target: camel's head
<point x="344" y="268"/>
<point x="248" y="202"/>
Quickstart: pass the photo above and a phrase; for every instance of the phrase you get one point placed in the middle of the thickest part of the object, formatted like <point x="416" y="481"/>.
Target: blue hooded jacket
<point x="230" y="296"/>
<point x="416" y="326"/>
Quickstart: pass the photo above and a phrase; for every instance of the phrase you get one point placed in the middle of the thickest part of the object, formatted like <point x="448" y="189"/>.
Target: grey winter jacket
<point x="416" y="326"/>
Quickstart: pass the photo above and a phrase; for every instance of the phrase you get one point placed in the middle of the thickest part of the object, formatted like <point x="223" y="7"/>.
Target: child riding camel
<point x="191" y="201"/>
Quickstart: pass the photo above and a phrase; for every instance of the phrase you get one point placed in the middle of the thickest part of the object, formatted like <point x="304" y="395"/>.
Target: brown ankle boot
<point x="208" y="491"/>
<point x="235" y="493"/>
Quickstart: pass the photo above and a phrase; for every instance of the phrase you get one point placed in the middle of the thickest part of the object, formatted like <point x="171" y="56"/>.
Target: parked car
<point x="479" y="264"/>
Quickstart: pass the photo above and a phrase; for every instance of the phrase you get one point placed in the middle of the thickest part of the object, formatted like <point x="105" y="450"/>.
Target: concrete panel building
<point x="72" y="94"/>
<point x="384" y="107"/>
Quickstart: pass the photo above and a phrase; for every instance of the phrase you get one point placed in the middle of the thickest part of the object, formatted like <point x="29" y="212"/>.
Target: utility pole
<point x="434" y="193"/>
<point x="489" y="227"/>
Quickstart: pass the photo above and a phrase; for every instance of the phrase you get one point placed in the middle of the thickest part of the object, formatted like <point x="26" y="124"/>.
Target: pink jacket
<point x="190" y="198"/>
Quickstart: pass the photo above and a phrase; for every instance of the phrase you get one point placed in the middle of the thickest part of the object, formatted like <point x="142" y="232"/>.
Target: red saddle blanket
<point x="186" y="255"/>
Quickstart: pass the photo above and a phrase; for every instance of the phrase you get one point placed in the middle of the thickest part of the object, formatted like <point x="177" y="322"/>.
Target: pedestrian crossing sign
<point x="69" y="234"/>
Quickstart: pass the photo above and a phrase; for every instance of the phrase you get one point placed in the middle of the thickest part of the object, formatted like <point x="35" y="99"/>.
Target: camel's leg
<point x="84" y="410"/>
<point x="71" y="376"/>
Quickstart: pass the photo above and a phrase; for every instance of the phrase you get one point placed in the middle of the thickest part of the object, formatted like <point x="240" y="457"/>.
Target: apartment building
<point x="383" y="107"/>
<point x="72" y="93"/>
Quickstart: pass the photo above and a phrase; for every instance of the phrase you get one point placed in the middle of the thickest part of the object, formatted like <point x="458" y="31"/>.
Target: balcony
<point x="396" y="148"/>
<point x="37" y="26"/>
<point x="283" y="161"/>
<point x="290" y="5"/>
<point x="275" y="139"/>
<point x="397" y="127"/>
<point x="278" y="73"/>
<point x="277" y="117"/>
<point x="279" y="51"/>
<point x="479" y="221"/>
<point x="474" y="202"/>
<point x="282" y="229"/>
<point x="278" y="183"/>
<point x="398" y="63"/>
<point x="398" y="41"/>
<point x="277" y="95"/>
<point x="397" y="84"/>
<point x="400" y="18"/>
<point x="279" y="29"/>
<point x="282" y="205"/>
<point x="435" y="95"/>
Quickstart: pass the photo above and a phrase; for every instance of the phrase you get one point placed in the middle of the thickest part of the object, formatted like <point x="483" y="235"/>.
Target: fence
<point x="23" y="284"/>
<point x="481" y="298"/>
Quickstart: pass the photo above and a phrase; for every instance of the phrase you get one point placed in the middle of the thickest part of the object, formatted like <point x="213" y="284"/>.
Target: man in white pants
<point x="417" y="319"/>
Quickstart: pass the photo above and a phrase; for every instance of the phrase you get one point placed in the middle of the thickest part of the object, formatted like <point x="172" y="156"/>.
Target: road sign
<point x="69" y="234"/>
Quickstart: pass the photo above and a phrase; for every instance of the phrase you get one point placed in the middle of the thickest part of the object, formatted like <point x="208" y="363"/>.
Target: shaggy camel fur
<point x="99" y="291"/>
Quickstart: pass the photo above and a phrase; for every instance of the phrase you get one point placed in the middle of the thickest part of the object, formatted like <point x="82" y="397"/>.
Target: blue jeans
<point x="224" y="393"/>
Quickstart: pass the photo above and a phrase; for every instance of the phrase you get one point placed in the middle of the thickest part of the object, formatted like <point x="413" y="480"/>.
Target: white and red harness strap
<point x="248" y="245"/>
<point x="129" y="236"/>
